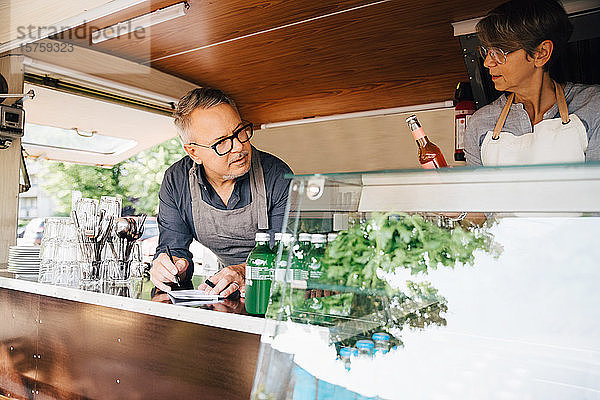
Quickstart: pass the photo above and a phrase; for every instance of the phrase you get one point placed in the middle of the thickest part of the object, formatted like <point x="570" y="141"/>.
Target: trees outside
<point x="137" y="180"/>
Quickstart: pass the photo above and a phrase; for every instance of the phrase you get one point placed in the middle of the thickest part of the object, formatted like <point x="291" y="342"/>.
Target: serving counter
<point x="502" y="303"/>
<point x="64" y="343"/>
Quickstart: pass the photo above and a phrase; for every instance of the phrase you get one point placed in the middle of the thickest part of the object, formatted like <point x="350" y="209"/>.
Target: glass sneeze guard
<point x="411" y="301"/>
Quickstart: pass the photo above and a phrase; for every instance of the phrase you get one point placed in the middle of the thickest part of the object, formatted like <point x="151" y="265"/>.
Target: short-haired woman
<point x="536" y="120"/>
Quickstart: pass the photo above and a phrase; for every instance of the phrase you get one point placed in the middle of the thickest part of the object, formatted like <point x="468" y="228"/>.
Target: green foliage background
<point x="137" y="180"/>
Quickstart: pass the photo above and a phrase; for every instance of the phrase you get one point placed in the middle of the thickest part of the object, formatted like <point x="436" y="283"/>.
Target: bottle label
<point x="258" y="270"/>
<point x="248" y="274"/>
<point x="314" y="275"/>
<point x="282" y="274"/>
<point x="298" y="274"/>
<point x="429" y="165"/>
<point x="461" y="126"/>
<point x="418" y="133"/>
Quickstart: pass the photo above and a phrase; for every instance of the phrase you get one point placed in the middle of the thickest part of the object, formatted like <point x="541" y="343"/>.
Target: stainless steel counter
<point x="226" y="319"/>
<point x="65" y="343"/>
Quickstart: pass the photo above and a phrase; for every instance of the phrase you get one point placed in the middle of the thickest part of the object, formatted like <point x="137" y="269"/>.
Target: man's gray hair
<point x="204" y="98"/>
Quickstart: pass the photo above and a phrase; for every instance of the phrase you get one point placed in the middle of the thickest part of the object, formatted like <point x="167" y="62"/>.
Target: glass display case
<point x="456" y="283"/>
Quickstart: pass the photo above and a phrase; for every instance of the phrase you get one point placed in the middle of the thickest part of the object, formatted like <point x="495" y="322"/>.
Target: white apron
<point x="553" y="141"/>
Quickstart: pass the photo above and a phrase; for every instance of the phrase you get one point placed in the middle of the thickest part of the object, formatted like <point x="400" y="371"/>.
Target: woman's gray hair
<point x="524" y="24"/>
<point x="204" y="98"/>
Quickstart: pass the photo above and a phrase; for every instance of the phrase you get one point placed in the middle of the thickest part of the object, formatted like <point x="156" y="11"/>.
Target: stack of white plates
<point x="24" y="260"/>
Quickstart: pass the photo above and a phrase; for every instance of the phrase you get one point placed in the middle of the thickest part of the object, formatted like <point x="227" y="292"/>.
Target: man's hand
<point x="226" y="281"/>
<point x="163" y="270"/>
<point x="161" y="297"/>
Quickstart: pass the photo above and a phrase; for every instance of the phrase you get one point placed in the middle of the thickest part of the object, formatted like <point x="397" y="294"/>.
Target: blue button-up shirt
<point x="175" y="222"/>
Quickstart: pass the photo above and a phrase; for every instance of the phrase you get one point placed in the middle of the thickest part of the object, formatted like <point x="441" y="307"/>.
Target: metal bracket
<point x="26" y="185"/>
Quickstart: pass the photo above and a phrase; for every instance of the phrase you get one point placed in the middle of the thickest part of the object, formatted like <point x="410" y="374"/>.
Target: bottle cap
<point x="413" y="120"/>
<point x="331" y="236"/>
<point x="318" y="238"/>
<point x="304" y="237"/>
<point x="415" y="127"/>
<point x="262" y="237"/>
<point x="381" y="336"/>
<point x="347" y="351"/>
<point x="365" y="344"/>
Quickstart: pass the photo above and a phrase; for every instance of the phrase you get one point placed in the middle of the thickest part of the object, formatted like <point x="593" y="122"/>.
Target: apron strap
<point x="503" y="115"/>
<point x="560" y="100"/>
<point x="562" y="104"/>
<point x="193" y="182"/>
<point x="257" y="184"/>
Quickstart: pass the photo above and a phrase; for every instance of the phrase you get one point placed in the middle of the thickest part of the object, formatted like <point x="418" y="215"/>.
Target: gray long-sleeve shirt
<point x="583" y="100"/>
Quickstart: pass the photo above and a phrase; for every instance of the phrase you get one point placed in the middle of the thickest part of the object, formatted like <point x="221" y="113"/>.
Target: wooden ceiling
<point x="349" y="56"/>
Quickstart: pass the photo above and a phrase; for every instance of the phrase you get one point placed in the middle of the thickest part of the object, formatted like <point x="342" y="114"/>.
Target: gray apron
<point x="230" y="233"/>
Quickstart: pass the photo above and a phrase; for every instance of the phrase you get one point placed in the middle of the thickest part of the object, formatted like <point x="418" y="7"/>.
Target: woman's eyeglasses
<point x="495" y="53"/>
<point x="225" y="145"/>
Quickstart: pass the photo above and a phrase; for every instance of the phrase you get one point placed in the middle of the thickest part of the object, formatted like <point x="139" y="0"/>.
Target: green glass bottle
<point x="300" y="257"/>
<point x="282" y="274"/>
<point x="277" y="242"/>
<point x="331" y="237"/>
<point x="259" y="274"/>
<point x="316" y="254"/>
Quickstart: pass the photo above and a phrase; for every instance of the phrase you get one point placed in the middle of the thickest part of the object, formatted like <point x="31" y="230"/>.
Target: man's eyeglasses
<point x="495" y="53"/>
<point x="224" y="146"/>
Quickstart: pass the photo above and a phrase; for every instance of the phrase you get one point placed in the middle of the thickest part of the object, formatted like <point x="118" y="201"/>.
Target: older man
<point x="221" y="193"/>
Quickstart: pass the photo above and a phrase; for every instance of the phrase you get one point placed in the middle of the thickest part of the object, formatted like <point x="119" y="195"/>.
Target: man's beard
<point x="235" y="176"/>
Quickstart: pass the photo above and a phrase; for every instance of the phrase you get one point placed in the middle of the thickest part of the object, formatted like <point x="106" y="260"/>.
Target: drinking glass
<point x="66" y="258"/>
<point x="86" y="211"/>
<point x="137" y="272"/>
<point x="110" y="264"/>
<point x="48" y="245"/>
<point x="111" y="205"/>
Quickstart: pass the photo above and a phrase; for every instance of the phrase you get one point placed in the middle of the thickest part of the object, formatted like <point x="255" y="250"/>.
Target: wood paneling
<point x="205" y="23"/>
<point x="88" y="351"/>
<point x="386" y="55"/>
<point x="11" y="67"/>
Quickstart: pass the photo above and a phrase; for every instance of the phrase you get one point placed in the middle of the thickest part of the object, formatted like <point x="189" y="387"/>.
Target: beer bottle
<point x="430" y="156"/>
<point x="259" y="274"/>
